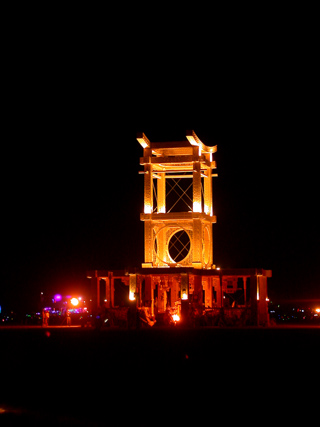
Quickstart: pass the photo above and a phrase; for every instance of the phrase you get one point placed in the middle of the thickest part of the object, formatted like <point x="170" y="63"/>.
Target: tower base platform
<point x="182" y="295"/>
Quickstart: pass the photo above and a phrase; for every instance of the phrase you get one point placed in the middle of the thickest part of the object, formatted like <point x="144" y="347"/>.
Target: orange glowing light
<point x="176" y="318"/>
<point x="184" y="296"/>
<point x="172" y="160"/>
<point x="74" y="301"/>
<point x="318" y="310"/>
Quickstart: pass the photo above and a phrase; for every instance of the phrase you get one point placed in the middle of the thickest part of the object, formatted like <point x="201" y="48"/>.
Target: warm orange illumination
<point x="318" y="310"/>
<point x="173" y="160"/>
<point x="132" y="287"/>
<point x="176" y="318"/>
<point x="143" y="140"/>
<point x="184" y="296"/>
<point x="74" y="301"/>
<point x="194" y="140"/>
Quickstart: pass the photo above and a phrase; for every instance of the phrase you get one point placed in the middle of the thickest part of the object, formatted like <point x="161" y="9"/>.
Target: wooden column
<point x="196" y="187"/>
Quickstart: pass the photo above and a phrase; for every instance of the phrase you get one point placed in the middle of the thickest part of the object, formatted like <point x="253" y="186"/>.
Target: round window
<point x="179" y="246"/>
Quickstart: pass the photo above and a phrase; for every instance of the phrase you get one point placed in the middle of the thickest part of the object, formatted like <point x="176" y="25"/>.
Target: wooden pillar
<point x="148" y="208"/>
<point x="132" y="287"/>
<point x="162" y="296"/>
<point x="148" y="188"/>
<point x="161" y="247"/>
<point x="184" y="286"/>
<point x="253" y="299"/>
<point x="197" y="244"/>
<point x="107" y="304"/>
<point x="245" y="290"/>
<point x="208" y="193"/>
<point x="184" y="289"/>
<point x="161" y="193"/>
<point x="111" y="289"/>
<point x="262" y="309"/>
<point x="208" y="292"/>
<point x="148" y="292"/>
<point x="221" y="290"/>
<point x="139" y="290"/>
<point x="98" y="287"/>
<point x="148" y="242"/>
<point x="196" y="187"/>
<point x="174" y="291"/>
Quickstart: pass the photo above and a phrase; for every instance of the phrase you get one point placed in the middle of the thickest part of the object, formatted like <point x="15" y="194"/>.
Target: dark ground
<point x="85" y="377"/>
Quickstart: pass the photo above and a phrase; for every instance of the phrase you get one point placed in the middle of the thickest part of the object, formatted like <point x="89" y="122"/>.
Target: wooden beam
<point x="194" y="140"/>
<point x="143" y="140"/>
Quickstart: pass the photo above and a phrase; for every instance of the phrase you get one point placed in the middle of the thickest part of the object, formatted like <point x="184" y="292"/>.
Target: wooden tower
<point x="178" y="212"/>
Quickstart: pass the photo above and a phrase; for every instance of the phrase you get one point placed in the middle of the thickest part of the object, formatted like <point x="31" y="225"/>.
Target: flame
<point x="176" y="318"/>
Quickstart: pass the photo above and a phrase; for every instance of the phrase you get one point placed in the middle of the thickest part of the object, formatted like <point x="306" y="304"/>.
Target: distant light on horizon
<point x="74" y="301"/>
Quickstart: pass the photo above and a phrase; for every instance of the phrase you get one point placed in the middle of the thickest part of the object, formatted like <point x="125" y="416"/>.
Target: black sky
<point x="71" y="192"/>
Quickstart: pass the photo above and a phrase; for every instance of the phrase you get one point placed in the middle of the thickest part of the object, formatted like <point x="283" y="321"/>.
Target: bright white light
<point x="147" y="209"/>
<point x="207" y="210"/>
<point x="74" y="301"/>
<point x="131" y="296"/>
<point x="196" y="207"/>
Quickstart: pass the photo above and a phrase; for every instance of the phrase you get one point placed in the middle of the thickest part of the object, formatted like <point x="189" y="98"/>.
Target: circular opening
<point x="179" y="246"/>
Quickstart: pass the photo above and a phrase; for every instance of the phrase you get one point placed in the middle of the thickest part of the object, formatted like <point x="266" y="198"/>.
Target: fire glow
<point x="176" y="318"/>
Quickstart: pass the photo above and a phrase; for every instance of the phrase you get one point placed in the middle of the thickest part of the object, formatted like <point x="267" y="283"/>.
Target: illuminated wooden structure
<point x="182" y="238"/>
<point x="178" y="275"/>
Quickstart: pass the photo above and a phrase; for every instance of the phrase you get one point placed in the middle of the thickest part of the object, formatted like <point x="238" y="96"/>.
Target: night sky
<point x="71" y="192"/>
